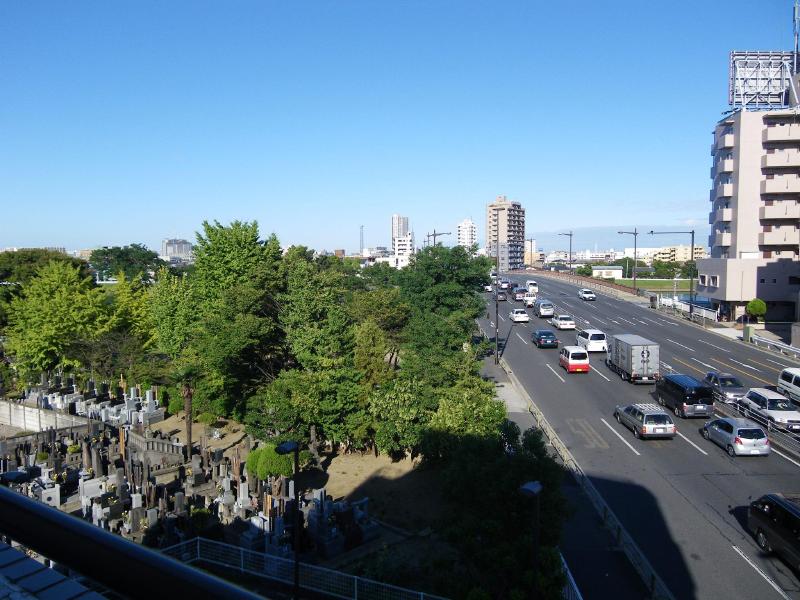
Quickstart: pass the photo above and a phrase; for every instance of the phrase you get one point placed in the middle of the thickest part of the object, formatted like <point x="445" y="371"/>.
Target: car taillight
<point x="644" y="429"/>
<point x="672" y="427"/>
<point x="738" y="441"/>
<point x="766" y="442"/>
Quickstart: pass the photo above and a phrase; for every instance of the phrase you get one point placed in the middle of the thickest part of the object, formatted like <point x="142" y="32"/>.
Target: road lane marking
<point x="779" y="453"/>
<point x="626" y="320"/>
<point x="745" y="365"/>
<point x="522" y="340"/>
<point x="614" y="321"/>
<point x="556" y="374"/>
<point x="712" y="345"/>
<point x="704" y="364"/>
<point x="696" y="447"/>
<point x="758" y="570"/>
<point x="681" y="345"/>
<point x="690" y="366"/>
<point x="775" y="363"/>
<point x="666" y="366"/>
<point x="730" y="366"/>
<point x="770" y="367"/>
<point x="594" y="370"/>
<point x="581" y="427"/>
<point x="622" y="439"/>
<point x="653" y="322"/>
<point x="600" y="321"/>
<point x="501" y="318"/>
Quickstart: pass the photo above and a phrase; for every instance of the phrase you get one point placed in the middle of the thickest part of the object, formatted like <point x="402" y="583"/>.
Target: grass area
<point x="666" y="285"/>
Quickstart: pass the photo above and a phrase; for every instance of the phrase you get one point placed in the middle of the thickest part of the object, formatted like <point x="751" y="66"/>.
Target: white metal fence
<point x="314" y="578"/>
<point x="780" y="347"/>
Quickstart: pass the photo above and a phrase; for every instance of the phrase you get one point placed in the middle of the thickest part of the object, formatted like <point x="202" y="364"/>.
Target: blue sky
<point x="132" y="121"/>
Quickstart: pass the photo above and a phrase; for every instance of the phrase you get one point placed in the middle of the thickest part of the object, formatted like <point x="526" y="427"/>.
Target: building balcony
<point x="779" y="237"/>
<point x="720" y="215"/>
<point x="784" y="133"/>
<point x="723" y="190"/>
<point x="722" y="239"/>
<point x="782" y="210"/>
<point x="781" y="160"/>
<point x="723" y="141"/>
<point x="722" y="166"/>
<point x="781" y="185"/>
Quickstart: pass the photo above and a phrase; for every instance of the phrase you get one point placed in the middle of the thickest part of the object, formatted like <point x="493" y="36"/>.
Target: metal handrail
<point x="122" y="566"/>
<point x="778" y="346"/>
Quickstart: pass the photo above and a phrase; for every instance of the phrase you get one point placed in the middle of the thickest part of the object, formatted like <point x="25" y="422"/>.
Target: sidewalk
<point x="599" y="570"/>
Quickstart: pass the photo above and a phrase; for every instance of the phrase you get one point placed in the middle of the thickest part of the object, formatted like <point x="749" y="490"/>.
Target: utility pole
<point x="691" y="259"/>
<point x="497" y="286"/>
<point x="635" y="234"/>
<point x="434" y="235"/>
<point x="361" y="241"/>
<point x="569" y="235"/>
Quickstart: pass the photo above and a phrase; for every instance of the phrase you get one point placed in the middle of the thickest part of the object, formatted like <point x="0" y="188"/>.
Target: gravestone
<point x="152" y="517"/>
<point x="180" y="501"/>
<point x="136" y="501"/>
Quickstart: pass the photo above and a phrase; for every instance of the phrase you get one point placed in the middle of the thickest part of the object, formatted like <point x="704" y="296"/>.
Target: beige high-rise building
<point x="505" y="228"/>
<point x="754" y="214"/>
<point x="679" y="253"/>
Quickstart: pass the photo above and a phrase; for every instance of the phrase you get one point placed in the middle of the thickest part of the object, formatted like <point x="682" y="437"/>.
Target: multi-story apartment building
<point x="399" y="229"/>
<point x="505" y="233"/>
<point x="679" y="253"/>
<point x="754" y="214"/>
<point x="531" y="253"/>
<point x="467" y="233"/>
<point x="175" y="250"/>
<point x="404" y="245"/>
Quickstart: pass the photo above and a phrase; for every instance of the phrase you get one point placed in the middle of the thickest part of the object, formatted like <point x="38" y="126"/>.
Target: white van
<point x="529" y="299"/>
<point x="532" y="286"/>
<point x="789" y="384"/>
<point x="574" y="359"/>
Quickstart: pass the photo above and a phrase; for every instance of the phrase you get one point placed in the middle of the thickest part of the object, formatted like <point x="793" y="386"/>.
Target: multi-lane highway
<point x="684" y="501"/>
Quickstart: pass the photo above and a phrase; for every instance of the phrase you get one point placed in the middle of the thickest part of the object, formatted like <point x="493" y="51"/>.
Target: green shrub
<point x="206" y="418"/>
<point x="175" y="405"/>
<point x="42" y="456"/>
<point x="756" y="308"/>
<point x="73" y="448"/>
<point x="264" y="462"/>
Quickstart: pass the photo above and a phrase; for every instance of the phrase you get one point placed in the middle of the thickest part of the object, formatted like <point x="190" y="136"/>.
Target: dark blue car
<point x="544" y="338"/>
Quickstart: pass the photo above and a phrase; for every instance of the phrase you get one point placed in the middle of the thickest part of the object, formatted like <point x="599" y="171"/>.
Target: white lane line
<point x="600" y="321"/>
<point x="594" y="370"/>
<point x="642" y="322"/>
<point x="696" y="447"/>
<point x="681" y="345"/>
<point x="653" y="322"/>
<point x="712" y="367"/>
<point x="713" y="345"/>
<point x="501" y="318"/>
<point x="521" y="339"/>
<point x="613" y="321"/>
<point x="774" y="362"/>
<point x="760" y="572"/>
<point x="626" y="320"/>
<point x="554" y="373"/>
<point x="745" y="365"/>
<point x="779" y="453"/>
<point x="491" y="324"/>
<point x="622" y="439"/>
<point x="666" y="366"/>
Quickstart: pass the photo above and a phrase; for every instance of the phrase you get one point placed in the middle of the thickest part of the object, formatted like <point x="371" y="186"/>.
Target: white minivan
<point x="532" y="286"/>
<point x="593" y="340"/>
<point x="789" y="384"/>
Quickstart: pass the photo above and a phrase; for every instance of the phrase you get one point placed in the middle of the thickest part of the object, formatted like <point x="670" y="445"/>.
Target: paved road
<point x="684" y="500"/>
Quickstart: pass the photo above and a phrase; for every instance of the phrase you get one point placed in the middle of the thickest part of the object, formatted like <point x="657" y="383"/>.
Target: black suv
<point x="685" y="396"/>
<point x="775" y="521"/>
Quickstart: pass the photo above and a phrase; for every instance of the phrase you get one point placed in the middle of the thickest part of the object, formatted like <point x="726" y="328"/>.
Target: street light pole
<point x="635" y="234"/>
<point x="569" y="235"/>
<point x="691" y="259"/>
<point x="287" y="448"/>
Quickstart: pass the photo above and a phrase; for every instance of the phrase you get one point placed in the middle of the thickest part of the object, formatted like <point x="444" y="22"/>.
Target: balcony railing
<point x="781" y="160"/>
<point x="124" y="567"/>
<point x="722" y="239"/>
<point x="781" y="185"/>
<point x="784" y="133"/>
<point x="779" y="237"/>
<point x="781" y="210"/>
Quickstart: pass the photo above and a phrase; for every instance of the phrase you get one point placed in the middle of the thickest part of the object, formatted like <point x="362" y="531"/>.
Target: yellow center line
<point x="690" y="366"/>
<point x="730" y="366"/>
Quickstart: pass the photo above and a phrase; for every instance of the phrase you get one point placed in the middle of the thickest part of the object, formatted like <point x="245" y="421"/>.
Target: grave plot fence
<point x="313" y="578"/>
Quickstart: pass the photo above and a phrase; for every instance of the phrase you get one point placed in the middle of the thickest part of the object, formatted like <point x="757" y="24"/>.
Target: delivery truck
<point x="633" y="357"/>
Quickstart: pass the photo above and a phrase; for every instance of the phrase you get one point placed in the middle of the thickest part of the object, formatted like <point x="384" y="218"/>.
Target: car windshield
<point x="564" y="318"/>
<point x="598" y="336"/>
<point x="777" y="404"/>
<point x="657" y="420"/>
<point x="752" y="434"/>
<point x="546" y="334"/>
<point x="578" y="356"/>
<point x="729" y="382"/>
<point x="519" y="311"/>
<point x="545" y="305"/>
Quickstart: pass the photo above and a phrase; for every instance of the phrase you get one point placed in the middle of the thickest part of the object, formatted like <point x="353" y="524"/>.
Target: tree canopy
<point x="134" y="261"/>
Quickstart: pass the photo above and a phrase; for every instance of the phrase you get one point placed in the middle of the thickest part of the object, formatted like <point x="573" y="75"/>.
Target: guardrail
<point x="328" y="582"/>
<point x="616" y="290"/>
<point x="780" y="347"/>
<point x="570" y="591"/>
<point x="656" y="586"/>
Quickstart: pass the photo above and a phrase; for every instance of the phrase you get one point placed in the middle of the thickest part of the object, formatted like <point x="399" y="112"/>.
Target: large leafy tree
<point x="18" y="268"/>
<point x="57" y="307"/>
<point x="135" y="261"/>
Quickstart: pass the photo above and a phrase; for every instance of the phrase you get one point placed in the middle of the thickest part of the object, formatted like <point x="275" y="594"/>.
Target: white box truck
<point x="633" y="357"/>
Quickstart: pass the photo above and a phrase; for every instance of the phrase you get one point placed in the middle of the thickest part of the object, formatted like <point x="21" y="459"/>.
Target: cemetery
<point x="113" y="459"/>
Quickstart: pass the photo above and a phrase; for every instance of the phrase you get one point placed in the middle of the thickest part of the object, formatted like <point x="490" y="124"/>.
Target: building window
<point x="702" y="279"/>
<point x="794" y="280"/>
<point x="714" y="280"/>
<point x="774" y="281"/>
<point x="762" y="281"/>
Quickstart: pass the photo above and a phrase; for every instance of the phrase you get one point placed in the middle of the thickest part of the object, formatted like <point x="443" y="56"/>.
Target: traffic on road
<point x="683" y="458"/>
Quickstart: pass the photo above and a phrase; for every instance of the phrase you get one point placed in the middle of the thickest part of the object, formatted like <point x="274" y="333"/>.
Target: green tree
<point x="689" y="269"/>
<point x="18" y="268"/>
<point x="264" y="462"/>
<point x="756" y="309"/>
<point x="135" y="261"/>
<point x="172" y="312"/>
<point x="585" y="270"/>
<point x="401" y="411"/>
<point x="57" y="307"/>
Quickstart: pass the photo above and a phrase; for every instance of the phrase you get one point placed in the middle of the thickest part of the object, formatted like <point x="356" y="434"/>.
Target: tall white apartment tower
<point x="755" y="207"/>
<point x="505" y="232"/>
<point x="467" y="233"/>
<point x="399" y="230"/>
